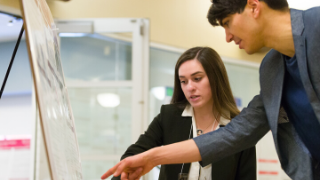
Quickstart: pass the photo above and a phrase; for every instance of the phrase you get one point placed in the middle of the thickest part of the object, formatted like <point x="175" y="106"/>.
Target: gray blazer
<point x="263" y="112"/>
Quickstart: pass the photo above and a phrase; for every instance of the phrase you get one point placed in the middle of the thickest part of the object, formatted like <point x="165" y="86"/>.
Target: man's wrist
<point x="151" y="156"/>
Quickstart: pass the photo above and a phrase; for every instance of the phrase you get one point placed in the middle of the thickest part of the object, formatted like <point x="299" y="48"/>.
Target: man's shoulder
<point x="313" y="11"/>
<point x="311" y="17"/>
<point x="267" y="61"/>
<point x="308" y="12"/>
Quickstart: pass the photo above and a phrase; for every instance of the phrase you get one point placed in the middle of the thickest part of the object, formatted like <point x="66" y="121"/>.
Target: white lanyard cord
<point x="188" y="138"/>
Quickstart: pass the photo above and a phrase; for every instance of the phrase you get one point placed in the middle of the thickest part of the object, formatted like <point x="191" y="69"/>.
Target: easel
<point x="11" y="61"/>
<point x="56" y="119"/>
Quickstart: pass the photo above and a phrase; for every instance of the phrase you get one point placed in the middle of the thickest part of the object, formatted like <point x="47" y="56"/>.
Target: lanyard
<point x="184" y="176"/>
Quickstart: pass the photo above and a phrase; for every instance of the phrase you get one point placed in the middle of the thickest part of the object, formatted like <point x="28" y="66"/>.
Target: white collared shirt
<point x="205" y="172"/>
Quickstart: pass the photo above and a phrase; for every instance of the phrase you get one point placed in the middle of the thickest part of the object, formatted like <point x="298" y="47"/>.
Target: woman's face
<point x="195" y="84"/>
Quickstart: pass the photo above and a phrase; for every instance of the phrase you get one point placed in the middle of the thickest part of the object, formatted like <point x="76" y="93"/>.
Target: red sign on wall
<point x="15" y="143"/>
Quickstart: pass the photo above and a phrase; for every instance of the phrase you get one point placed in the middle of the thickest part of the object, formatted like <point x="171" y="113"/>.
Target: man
<point x="290" y="87"/>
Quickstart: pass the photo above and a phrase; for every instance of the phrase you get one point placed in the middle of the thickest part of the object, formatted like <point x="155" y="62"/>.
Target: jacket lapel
<point x="277" y="88"/>
<point x="300" y="48"/>
<point x="271" y="81"/>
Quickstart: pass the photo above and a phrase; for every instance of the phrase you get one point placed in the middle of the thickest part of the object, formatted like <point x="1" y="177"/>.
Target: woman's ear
<point x="254" y="7"/>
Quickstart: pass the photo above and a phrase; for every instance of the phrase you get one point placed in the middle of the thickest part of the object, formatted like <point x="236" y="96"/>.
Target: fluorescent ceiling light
<point x="108" y="99"/>
<point x="10" y="24"/>
<point x="72" y="34"/>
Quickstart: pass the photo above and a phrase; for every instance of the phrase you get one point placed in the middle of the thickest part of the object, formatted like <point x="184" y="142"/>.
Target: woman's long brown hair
<point x="223" y="100"/>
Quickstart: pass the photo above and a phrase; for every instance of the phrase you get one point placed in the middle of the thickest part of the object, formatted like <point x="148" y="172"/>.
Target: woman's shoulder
<point x="172" y="108"/>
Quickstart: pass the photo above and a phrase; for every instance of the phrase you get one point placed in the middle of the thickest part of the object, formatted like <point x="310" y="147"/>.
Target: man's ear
<point x="254" y="7"/>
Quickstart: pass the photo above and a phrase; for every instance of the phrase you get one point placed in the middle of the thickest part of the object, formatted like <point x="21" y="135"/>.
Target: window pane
<point x="96" y="58"/>
<point x="162" y="65"/>
<point x="92" y="170"/>
<point x="244" y="82"/>
<point x="103" y="132"/>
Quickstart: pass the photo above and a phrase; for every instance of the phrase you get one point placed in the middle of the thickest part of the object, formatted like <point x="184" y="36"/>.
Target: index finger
<point x="122" y="166"/>
<point x="110" y="171"/>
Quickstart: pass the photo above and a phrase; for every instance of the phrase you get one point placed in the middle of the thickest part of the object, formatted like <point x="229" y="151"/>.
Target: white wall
<point x="16" y="114"/>
<point x="16" y="124"/>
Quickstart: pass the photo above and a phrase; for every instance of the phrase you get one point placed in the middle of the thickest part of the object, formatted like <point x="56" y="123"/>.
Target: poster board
<point x="57" y="122"/>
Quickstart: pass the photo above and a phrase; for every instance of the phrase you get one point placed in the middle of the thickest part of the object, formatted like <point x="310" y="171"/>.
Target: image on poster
<point x="52" y="97"/>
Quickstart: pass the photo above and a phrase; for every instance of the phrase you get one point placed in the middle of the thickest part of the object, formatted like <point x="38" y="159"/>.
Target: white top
<point x="205" y="172"/>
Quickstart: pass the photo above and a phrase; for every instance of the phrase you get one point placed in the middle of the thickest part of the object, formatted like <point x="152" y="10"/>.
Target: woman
<point x="202" y="102"/>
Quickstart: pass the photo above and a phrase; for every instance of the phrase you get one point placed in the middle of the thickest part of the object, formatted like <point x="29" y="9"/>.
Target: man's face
<point x="244" y="30"/>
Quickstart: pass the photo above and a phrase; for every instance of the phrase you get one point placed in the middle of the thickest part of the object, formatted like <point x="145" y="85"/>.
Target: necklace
<point x="200" y="131"/>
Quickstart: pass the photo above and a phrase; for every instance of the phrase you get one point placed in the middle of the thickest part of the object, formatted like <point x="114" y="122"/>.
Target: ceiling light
<point x="10" y="23"/>
<point x="72" y="34"/>
<point x="108" y="99"/>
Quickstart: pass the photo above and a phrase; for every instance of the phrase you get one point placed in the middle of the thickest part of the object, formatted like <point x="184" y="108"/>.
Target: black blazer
<point x="170" y="127"/>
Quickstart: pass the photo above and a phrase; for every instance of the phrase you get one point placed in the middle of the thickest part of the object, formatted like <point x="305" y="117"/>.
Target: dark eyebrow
<point x="196" y="73"/>
<point x="192" y="74"/>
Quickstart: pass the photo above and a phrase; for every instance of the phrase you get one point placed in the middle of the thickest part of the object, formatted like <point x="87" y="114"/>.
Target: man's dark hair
<point x="220" y="9"/>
